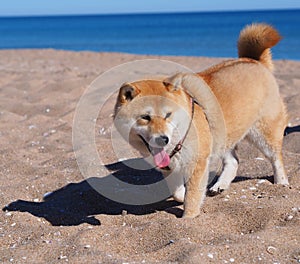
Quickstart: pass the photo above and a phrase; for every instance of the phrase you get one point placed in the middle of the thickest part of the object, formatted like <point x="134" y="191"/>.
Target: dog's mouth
<point x="160" y="156"/>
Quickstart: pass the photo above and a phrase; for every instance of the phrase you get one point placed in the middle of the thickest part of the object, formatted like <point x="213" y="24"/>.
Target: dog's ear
<point x="173" y="83"/>
<point x="127" y="92"/>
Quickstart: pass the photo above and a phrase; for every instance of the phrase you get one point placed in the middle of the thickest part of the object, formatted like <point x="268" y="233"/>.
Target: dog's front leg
<point x="196" y="189"/>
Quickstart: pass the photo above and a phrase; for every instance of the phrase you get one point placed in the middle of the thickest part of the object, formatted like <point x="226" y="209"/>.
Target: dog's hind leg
<point x="231" y="163"/>
<point x="268" y="136"/>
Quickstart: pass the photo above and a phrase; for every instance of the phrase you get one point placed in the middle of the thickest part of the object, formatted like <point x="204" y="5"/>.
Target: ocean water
<point x="190" y="34"/>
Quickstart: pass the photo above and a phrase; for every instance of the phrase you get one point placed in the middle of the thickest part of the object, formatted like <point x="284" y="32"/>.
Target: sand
<point x="51" y="214"/>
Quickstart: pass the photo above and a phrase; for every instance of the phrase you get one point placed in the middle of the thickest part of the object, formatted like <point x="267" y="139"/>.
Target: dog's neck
<point x="179" y="145"/>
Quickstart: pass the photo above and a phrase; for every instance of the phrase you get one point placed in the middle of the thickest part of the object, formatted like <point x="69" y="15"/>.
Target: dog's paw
<point x="213" y="192"/>
<point x="282" y="181"/>
<point x="190" y="214"/>
<point x="219" y="187"/>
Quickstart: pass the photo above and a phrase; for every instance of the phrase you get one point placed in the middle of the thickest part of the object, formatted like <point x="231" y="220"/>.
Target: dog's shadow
<point x="77" y="203"/>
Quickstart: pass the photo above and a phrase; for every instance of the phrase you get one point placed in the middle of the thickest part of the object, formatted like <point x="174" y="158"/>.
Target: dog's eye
<point x="146" y="117"/>
<point x="168" y="115"/>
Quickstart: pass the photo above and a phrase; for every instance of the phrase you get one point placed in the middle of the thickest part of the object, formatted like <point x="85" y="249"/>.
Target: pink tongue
<point x="161" y="159"/>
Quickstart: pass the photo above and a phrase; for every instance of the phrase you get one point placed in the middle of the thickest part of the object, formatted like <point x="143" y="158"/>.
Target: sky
<point x="70" y="7"/>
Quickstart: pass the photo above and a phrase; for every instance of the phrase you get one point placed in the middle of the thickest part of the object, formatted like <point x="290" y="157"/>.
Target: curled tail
<point x="255" y="42"/>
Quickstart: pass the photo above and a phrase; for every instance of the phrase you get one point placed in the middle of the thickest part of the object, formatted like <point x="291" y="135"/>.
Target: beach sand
<point x="253" y="222"/>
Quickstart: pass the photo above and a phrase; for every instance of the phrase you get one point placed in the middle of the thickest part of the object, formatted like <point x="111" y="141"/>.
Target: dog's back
<point x="245" y="87"/>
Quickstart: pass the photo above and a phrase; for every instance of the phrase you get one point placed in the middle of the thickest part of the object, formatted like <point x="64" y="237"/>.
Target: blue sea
<point x="211" y="34"/>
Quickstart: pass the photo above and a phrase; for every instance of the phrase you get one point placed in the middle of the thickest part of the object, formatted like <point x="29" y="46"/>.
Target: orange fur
<point x="238" y="99"/>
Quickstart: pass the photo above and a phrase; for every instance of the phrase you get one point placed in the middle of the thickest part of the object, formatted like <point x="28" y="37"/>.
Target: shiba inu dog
<point x="186" y="119"/>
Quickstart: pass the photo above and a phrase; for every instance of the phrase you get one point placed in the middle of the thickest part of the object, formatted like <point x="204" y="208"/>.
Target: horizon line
<point x="149" y="13"/>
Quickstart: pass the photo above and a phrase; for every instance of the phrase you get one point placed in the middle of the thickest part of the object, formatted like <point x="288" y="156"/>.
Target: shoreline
<point x="132" y="54"/>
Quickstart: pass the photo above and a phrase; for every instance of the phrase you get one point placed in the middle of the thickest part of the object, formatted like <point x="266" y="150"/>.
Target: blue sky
<point x="56" y="7"/>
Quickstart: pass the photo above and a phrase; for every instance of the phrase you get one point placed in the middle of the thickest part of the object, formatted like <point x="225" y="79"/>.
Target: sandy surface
<point x="253" y="222"/>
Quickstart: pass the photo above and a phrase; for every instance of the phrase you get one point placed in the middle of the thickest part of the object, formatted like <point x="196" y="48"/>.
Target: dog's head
<point x="153" y="116"/>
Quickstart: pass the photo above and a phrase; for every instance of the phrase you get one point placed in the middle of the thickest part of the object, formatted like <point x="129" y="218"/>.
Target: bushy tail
<point x="255" y="42"/>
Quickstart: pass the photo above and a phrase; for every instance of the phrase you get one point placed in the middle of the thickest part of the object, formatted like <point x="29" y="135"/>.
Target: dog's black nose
<point x="162" y="140"/>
